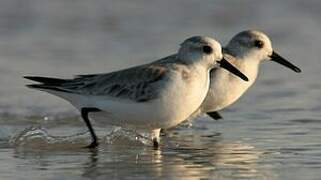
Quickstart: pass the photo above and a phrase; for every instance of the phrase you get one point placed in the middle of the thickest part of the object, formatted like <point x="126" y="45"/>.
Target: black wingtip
<point x="45" y="87"/>
<point x="33" y="86"/>
<point x="33" y="78"/>
<point x="46" y="80"/>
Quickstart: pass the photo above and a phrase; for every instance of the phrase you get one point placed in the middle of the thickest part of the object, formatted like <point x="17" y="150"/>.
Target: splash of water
<point x="120" y="136"/>
<point x="38" y="137"/>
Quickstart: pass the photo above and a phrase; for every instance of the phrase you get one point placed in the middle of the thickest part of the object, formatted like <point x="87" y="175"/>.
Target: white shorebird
<point x="147" y="97"/>
<point x="246" y="51"/>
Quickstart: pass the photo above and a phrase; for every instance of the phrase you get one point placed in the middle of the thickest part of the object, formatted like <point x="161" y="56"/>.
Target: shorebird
<point x="145" y="98"/>
<point x="246" y="51"/>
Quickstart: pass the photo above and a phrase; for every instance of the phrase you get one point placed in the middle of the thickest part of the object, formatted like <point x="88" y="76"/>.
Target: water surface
<point x="272" y="132"/>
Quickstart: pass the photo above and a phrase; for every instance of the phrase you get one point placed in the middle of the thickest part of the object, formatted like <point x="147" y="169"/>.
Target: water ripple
<point x="306" y="121"/>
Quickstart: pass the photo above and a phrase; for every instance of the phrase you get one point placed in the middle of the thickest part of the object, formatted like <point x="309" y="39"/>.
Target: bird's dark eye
<point x="258" y="44"/>
<point x="207" y="49"/>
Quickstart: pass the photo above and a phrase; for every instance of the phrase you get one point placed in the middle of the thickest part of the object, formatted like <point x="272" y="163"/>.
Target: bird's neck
<point x="226" y="88"/>
<point x="247" y="66"/>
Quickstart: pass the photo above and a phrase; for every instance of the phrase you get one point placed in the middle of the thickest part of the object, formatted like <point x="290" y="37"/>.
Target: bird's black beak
<point x="279" y="59"/>
<point x="228" y="66"/>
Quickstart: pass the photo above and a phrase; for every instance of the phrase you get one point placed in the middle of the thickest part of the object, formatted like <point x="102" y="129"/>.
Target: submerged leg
<point x="155" y="138"/>
<point x="84" y="114"/>
<point x="215" y="115"/>
<point x="163" y="132"/>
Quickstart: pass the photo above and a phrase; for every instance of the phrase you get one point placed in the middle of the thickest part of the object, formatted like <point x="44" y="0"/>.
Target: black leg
<point x="155" y="138"/>
<point x="215" y="115"/>
<point x="84" y="114"/>
<point x="163" y="132"/>
<point x="155" y="143"/>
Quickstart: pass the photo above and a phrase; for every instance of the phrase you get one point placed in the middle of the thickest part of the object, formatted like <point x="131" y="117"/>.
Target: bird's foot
<point x="155" y="138"/>
<point x="155" y="143"/>
<point x="92" y="145"/>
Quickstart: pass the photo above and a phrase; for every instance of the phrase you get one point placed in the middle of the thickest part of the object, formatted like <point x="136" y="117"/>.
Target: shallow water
<point x="272" y="132"/>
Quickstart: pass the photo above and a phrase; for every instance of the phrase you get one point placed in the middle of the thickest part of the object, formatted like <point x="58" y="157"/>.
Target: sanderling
<point x="147" y="97"/>
<point x="245" y="51"/>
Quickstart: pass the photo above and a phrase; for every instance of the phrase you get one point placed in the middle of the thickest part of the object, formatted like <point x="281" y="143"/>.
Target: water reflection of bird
<point x="196" y="157"/>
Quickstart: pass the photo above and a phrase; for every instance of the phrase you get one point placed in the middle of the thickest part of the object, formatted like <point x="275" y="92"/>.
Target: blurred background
<point x="272" y="132"/>
<point x="64" y="38"/>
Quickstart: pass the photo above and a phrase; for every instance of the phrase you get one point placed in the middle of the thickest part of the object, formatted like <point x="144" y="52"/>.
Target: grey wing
<point x="138" y="83"/>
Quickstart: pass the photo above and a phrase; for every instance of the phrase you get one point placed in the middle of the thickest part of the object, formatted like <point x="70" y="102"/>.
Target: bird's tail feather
<point x="47" y="80"/>
<point x="47" y="83"/>
<point x="55" y="86"/>
<point x="46" y="87"/>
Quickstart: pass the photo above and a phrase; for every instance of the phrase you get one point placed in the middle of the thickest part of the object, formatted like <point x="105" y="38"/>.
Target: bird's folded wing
<point x="138" y="84"/>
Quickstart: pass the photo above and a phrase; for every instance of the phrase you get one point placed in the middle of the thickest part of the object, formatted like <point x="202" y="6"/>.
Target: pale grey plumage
<point x="244" y="53"/>
<point x="157" y="95"/>
<point x="140" y="83"/>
